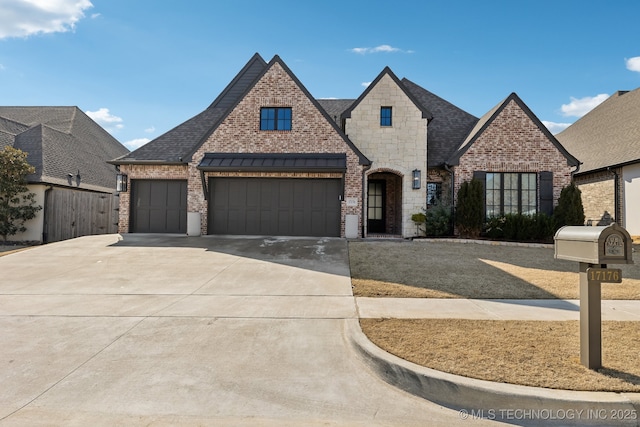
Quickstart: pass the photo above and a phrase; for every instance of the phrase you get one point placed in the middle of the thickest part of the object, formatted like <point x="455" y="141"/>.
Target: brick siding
<point x="513" y="143"/>
<point x="310" y="133"/>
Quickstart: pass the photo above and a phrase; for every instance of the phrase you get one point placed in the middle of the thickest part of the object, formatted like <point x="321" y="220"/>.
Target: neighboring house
<point x="607" y="141"/>
<point x="265" y="158"/>
<point x="73" y="182"/>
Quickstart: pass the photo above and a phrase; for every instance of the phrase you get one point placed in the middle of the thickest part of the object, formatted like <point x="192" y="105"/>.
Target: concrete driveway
<point x="166" y="330"/>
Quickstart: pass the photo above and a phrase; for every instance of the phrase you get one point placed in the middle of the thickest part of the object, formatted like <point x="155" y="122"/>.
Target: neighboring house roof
<point x="178" y="145"/>
<point x="448" y="128"/>
<point x="61" y="141"/>
<point x="486" y="120"/>
<point x="607" y="136"/>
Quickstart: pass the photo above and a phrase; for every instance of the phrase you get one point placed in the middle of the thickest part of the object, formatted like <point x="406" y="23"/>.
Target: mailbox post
<point x="593" y="248"/>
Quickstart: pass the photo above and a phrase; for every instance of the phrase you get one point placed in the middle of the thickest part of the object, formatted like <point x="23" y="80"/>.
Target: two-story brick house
<point x="266" y="158"/>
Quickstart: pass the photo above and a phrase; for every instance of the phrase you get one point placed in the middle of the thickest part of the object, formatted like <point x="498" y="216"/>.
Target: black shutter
<point x="482" y="177"/>
<point x="546" y="193"/>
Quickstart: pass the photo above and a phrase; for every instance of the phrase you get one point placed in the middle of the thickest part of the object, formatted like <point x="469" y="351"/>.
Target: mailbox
<point x="594" y="245"/>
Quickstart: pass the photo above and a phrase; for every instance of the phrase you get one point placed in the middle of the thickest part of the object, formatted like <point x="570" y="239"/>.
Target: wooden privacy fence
<point x="74" y="213"/>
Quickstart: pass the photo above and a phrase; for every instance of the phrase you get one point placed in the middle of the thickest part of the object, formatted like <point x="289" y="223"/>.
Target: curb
<point x="513" y="404"/>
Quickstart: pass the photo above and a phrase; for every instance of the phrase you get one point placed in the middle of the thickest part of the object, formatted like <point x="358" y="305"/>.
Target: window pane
<point x="434" y="193"/>
<point x="385" y="116"/>
<point x="267" y="119"/>
<point x="492" y="194"/>
<point x="284" y="118"/>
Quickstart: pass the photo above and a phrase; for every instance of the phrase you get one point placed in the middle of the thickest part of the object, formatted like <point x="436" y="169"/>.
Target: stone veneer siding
<point x="513" y="143"/>
<point x="400" y="148"/>
<point x="310" y="133"/>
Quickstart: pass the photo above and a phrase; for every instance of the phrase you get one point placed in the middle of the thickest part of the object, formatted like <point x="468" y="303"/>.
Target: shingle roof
<point x="335" y="107"/>
<point x="491" y="115"/>
<point x="448" y="128"/>
<point x="178" y="144"/>
<point x="62" y="141"/>
<point x="609" y="135"/>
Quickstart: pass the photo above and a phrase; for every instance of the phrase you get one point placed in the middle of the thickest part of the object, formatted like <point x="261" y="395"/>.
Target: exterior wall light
<point x="416" y="179"/>
<point x="121" y="183"/>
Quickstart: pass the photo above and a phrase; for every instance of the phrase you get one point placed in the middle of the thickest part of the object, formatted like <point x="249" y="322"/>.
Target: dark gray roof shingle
<point x="448" y="128"/>
<point x="609" y="135"/>
<point x="178" y="144"/>
<point x="61" y="141"/>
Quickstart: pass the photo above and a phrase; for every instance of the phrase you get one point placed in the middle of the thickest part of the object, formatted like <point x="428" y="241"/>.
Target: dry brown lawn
<point x="435" y="269"/>
<point x="532" y="353"/>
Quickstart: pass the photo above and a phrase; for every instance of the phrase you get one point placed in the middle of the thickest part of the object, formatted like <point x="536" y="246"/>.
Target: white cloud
<point x="382" y="48"/>
<point x="365" y="84"/>
<point x="136" y="143"/>
<point x="555" y="128"/>
<point x="105" y="119"/>
<point x="150" y="129"/>
<point x="580" y="107"/>
<point x="633" y="64"/>
<point x="22" y="18"/>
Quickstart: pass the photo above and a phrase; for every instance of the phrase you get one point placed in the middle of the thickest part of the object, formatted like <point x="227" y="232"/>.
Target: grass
<point x="454" y="270"/>
<point x="532" y="353"/>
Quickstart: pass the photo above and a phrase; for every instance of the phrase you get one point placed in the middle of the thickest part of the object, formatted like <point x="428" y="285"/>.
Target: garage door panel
<point x="274" y="206"/>
<point x="160" y="206"/>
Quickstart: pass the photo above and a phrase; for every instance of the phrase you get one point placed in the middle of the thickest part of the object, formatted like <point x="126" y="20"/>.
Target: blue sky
<point x="141" y="67"/>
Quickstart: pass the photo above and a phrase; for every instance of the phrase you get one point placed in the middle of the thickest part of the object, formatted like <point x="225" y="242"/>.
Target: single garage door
<point x="274" y="206"/>
<point x="158" y="206"/>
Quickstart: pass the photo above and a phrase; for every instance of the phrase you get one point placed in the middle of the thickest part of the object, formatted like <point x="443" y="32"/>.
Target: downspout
<point x="45" y="215"/>
<point x="453" y="186"/>
<point x="616" y="195"/>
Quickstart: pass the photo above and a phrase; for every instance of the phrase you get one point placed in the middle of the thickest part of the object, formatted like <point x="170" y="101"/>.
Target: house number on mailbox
<point x="614" y="245"/>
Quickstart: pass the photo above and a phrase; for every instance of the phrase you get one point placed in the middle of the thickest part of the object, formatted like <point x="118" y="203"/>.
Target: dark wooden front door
<point x="376" y="207"/>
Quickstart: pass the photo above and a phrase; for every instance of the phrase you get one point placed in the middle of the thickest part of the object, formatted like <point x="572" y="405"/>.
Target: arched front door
<point x="384" y="203"/>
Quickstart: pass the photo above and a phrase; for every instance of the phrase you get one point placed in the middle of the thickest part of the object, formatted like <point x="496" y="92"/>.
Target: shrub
<point x="569" y="210"/>
<point x="521" y="228"/>
<point x="469" y="212"/>
<point x="438" y="220"/>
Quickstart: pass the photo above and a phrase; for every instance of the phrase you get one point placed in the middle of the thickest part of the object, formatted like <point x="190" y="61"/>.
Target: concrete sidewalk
<point x="493" y="309"/>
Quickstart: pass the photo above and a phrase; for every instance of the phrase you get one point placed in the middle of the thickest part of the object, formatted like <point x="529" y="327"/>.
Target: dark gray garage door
<point x="274" y="206"/>
<point x="158" y="206"/>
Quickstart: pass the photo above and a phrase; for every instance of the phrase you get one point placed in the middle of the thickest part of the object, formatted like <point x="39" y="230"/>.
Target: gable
<point x="312" y="130"/>
<point x="511" y="129"/>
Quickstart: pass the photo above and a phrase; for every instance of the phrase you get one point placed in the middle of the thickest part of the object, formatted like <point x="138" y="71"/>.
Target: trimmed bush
<point x="469" y="211"/>
<point x="569" y="210"/>
<point x="521" y="228"/>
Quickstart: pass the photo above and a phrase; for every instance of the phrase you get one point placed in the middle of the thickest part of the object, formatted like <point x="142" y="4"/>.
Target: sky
<point x="141" y="67"/>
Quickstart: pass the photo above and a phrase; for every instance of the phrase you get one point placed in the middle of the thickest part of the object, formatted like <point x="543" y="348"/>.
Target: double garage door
<point x="274" y="206"/>
<point x="242" y="206"/>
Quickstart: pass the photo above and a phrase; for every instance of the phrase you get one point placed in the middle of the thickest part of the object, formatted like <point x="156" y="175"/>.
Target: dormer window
<point x="385" y="116"/>
<point x="275" y="118"/>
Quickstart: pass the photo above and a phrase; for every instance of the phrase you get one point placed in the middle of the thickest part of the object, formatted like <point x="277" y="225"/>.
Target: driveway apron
<point x="166" y="330"/>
